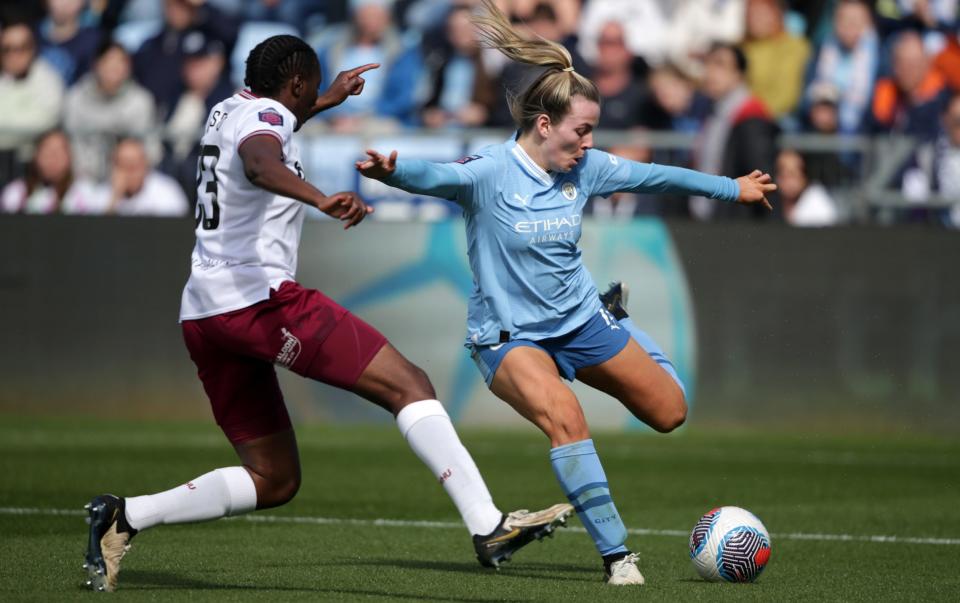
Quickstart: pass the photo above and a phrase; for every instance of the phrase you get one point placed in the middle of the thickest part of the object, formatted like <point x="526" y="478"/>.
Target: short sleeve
<point x="265" y="119"/>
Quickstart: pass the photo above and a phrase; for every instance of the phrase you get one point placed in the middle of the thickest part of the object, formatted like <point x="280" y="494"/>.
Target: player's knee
<point x="276" y="489"/>
<point x="414" y="387"/>
<point x="285" y="489"/>
<point x="565" y="423"/>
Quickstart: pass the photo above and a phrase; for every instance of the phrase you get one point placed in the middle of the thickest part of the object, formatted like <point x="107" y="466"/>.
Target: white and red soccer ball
<point x="731" y="544"/>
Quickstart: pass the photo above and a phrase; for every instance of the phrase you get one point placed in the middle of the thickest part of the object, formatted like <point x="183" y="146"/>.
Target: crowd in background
<point x="102" y="101"/>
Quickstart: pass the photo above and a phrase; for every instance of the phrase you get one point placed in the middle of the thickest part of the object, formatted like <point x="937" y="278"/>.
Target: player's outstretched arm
<point x="620" y="174"/>
<point x="412" y="175"/>
<point x="263" y="165"/>
<point x="347" y="83"/>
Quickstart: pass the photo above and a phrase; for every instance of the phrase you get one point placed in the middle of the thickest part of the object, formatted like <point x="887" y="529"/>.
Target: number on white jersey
<point x="209" y="218"/>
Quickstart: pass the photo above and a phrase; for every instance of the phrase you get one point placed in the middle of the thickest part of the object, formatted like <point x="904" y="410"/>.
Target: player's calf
<point x="273" y="463"/>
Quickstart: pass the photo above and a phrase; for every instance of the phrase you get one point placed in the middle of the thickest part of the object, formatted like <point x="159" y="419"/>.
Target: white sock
<point x="429" y="432"/>
<point x="220" y="493"/>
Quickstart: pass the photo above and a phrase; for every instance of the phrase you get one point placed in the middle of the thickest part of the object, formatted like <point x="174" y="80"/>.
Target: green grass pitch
<point x="822" y="497"/>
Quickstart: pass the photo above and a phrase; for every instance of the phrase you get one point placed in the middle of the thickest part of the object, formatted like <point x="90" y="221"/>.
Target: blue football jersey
<point x="523" y="228"/>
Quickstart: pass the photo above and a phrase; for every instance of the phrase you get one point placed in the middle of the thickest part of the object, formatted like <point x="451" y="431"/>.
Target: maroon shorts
<point x="297" y="328"/>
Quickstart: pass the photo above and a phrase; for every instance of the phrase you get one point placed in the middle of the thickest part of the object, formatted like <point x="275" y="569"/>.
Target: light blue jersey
<point x="523" y="226"/>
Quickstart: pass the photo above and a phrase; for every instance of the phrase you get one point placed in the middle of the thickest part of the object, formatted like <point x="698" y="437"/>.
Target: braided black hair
<point x="274" y="61"/>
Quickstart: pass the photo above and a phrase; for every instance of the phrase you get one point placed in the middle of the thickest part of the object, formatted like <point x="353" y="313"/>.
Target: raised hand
<point x="347" y="83"/>
<point x="346" y="207"/>
<point x="377" y="166"/>
<point x="754" y="188"/>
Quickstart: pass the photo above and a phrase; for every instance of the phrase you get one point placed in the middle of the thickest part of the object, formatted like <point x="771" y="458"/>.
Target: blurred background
<point x="839" y="309"/>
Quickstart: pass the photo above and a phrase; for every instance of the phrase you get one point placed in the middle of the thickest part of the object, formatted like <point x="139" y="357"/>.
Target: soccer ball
<point x="729" y="543"/>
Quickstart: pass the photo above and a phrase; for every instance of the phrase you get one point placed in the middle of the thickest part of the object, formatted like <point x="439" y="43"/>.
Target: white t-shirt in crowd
<point x="247" y="238"/>
<point x="83" y="197"/>
<point x="814" y="208"/>
<point x="160" y="195"/>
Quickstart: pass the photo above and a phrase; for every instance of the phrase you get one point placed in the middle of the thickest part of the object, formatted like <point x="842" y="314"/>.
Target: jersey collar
<point x="530" y="166"/>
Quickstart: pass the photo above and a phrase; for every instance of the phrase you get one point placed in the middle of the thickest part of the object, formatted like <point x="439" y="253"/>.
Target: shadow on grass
<point x="151" y="579"/>
<point x="539" y="571"/>
<point x="698" y="582"/>
<point x="158" y="580"/>
<point x="415" y="597"/>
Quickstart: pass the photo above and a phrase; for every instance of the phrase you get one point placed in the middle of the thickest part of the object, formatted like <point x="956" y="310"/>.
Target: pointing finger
<point x="362" y="69"/>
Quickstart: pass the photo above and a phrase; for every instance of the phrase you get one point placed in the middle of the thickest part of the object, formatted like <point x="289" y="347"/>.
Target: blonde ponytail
<point x="552" y="92"/>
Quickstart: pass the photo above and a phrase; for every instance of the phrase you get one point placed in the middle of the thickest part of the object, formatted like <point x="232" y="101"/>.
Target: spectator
<point x="657" y="31"/>
<point x="804" y="203"/>
<point x="695" y="26"/>
<point x="297" y="13"/>
<point x="31" y="95"/>
<point x="911" y="101"/>
<point x="462" y="93"/>
<point x="621" y="94"/>
<point x="67" y="45"/>
<point x="205" y="85"/>
<point x="158" y="65"/>
<point x="50" y="185"/>
<point x="777" y="59"/>
<point x="823" y="112"/>
<point x="947" y="62"/>
<point x="935" y="170"/>
<point x="676" y="104"/>
<point x="823" y="117"/>
<point x="848" y="60"/>
<point x="422" y="15"/>
<point x="566" y="14"/>
<point x="928" y="16"/>
<point x="644" y="25"/>
<point x="815" y="14"/>
<point x="389" y="91"/>
<point x="739" y="136"/>
<point x="138" y="190"/>
<point x="104" y="106"/>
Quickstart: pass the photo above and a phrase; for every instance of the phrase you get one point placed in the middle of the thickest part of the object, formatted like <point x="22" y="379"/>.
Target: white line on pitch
<point x="448" y="525"/>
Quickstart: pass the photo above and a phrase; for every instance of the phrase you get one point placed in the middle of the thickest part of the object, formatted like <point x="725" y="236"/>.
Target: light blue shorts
<point x="592" y="343"/>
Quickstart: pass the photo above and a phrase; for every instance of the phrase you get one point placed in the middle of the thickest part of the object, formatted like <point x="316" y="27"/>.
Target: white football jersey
<point x="247" y="237"/>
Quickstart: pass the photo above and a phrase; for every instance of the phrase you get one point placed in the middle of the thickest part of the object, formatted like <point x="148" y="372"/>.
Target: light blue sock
<point x="581" y="476"/>
<point x="651" y="347"/>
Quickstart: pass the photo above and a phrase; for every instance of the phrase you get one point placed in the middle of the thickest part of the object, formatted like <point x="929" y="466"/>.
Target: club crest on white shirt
<point x="569" y="191"/>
